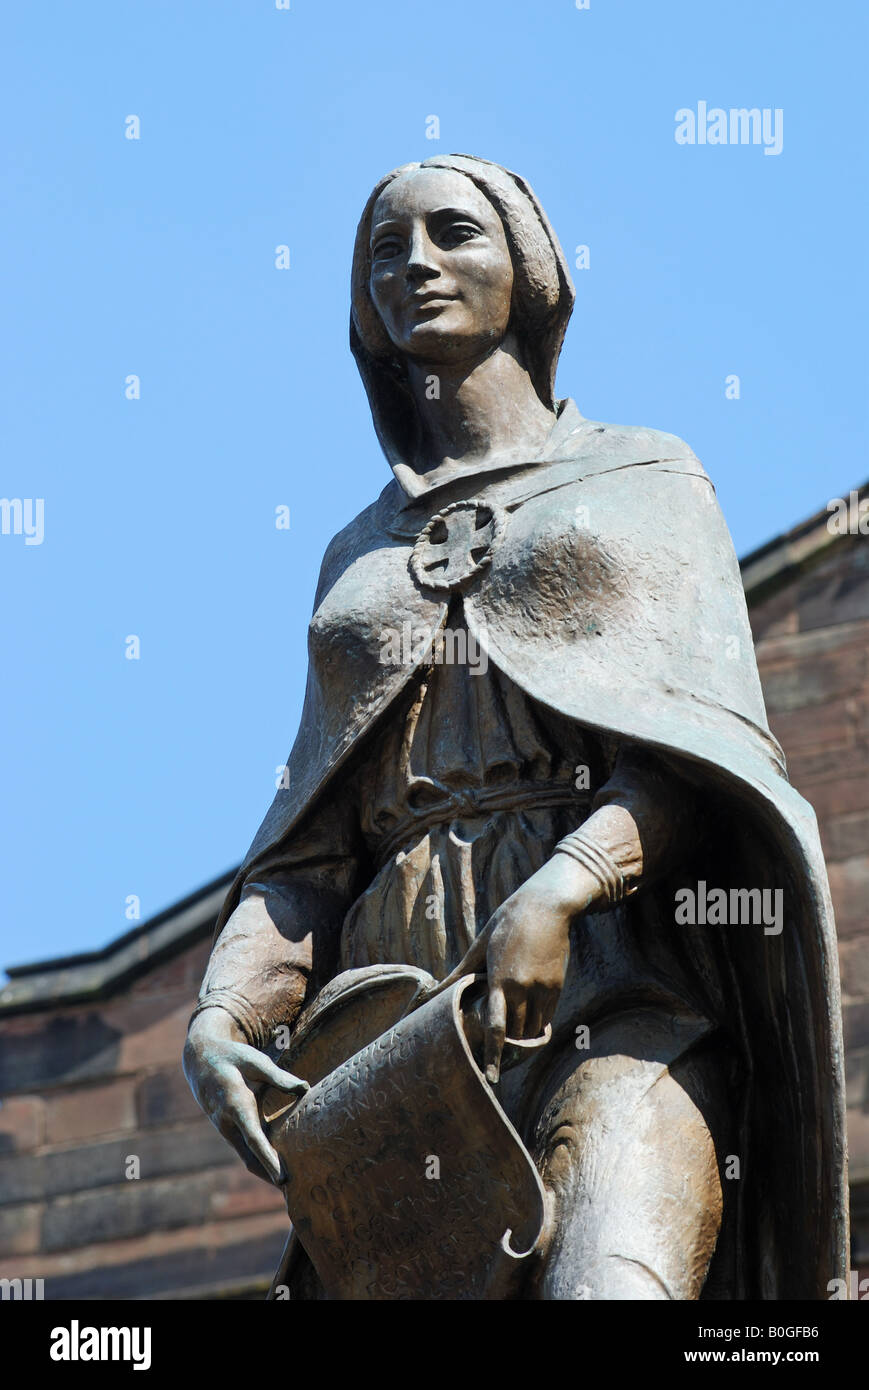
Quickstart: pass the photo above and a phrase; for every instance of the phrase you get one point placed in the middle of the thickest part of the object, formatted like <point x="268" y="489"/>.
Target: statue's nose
<point x="421" y="264"/>
<point x="418" y="271"/>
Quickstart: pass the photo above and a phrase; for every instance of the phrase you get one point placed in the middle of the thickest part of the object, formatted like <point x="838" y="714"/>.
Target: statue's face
<point x="441" y="273"/>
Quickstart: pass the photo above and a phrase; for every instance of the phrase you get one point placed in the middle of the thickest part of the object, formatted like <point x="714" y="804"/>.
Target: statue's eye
<point x="385" y="249"/>
<point x="457" y="233"/>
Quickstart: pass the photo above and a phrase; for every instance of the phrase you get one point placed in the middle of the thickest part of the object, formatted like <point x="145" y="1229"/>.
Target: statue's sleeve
<point x="645" y="820"/>
<point x="284" y="936"/>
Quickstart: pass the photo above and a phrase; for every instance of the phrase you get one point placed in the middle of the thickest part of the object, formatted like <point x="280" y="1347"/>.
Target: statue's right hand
<point x="224" y="1073"/>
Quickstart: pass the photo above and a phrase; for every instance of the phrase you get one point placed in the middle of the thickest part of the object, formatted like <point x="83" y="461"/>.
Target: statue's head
<point x="452" y="257"/>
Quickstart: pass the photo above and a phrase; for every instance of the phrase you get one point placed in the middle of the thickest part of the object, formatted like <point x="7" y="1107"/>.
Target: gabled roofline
<point x="93" y="975"/>
<point x="778" y="561"/>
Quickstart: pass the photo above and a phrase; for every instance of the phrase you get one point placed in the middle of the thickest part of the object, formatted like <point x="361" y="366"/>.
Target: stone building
<point x="808" y="598"/>
<point x="90" y="1075"/>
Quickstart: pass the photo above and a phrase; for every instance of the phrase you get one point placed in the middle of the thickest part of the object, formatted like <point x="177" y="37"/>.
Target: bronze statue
<point x="533" y="745"/>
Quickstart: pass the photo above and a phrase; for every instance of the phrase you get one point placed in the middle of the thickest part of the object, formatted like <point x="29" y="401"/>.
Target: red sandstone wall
<point x="812" y="641"/>
<point x="86" y="1087"/>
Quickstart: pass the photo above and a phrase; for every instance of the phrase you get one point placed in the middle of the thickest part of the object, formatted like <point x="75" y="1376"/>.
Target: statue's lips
<point x="420" y="304"/>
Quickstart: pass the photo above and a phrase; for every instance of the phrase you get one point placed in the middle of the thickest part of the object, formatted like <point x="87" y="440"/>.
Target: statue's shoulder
<point x="641" y="444"/>
<point x="356" y="538"/>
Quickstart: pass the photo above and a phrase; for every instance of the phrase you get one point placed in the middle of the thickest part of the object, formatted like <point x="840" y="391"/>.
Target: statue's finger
<point x="472" y="962"/>
<point x="549" y="1003"/>
<point x="228" y="1129"/>
<point x="517" y="1010"/>
<point x="249" y="1126"/>
<point x="496" y="1029"/>
<point x="259" y="1067"/>
<point x="534" y="1017"/>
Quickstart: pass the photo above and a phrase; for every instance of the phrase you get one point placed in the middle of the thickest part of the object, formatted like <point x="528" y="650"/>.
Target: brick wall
<point x="812" y="640"/>
<point x="87" y="1087"/>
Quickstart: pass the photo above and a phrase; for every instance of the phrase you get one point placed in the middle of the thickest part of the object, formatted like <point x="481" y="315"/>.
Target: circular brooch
<point x="456" y="545"/>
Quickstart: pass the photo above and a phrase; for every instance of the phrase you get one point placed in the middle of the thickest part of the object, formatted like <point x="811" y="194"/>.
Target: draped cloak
<point x="612" y="595"/>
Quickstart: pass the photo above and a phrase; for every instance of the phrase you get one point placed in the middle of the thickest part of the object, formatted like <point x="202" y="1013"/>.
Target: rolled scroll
<point x="405" y="1178"/>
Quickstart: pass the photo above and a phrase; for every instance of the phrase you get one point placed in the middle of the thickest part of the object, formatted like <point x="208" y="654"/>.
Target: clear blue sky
<point x="156" y="257"/>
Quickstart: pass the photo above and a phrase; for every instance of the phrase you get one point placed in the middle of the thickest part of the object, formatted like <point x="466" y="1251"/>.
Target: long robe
<point x="611" y="594"/>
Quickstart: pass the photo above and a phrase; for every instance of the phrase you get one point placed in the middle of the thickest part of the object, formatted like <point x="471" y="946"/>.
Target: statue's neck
<point x="478" y="413"/>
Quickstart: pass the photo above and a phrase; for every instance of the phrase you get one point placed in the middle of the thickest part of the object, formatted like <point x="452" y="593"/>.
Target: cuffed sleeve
<point x="644" y="820"/>
<point x="283" y="937"/>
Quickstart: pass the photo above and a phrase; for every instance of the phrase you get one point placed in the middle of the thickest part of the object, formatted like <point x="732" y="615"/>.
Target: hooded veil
<point x="543" y="299"/>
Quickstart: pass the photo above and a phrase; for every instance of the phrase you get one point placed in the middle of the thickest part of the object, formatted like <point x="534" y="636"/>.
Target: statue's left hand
<point x="527" y="954"/>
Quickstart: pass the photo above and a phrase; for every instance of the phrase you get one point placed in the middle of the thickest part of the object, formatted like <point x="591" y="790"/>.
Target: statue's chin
<point x="437" y="344"/>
